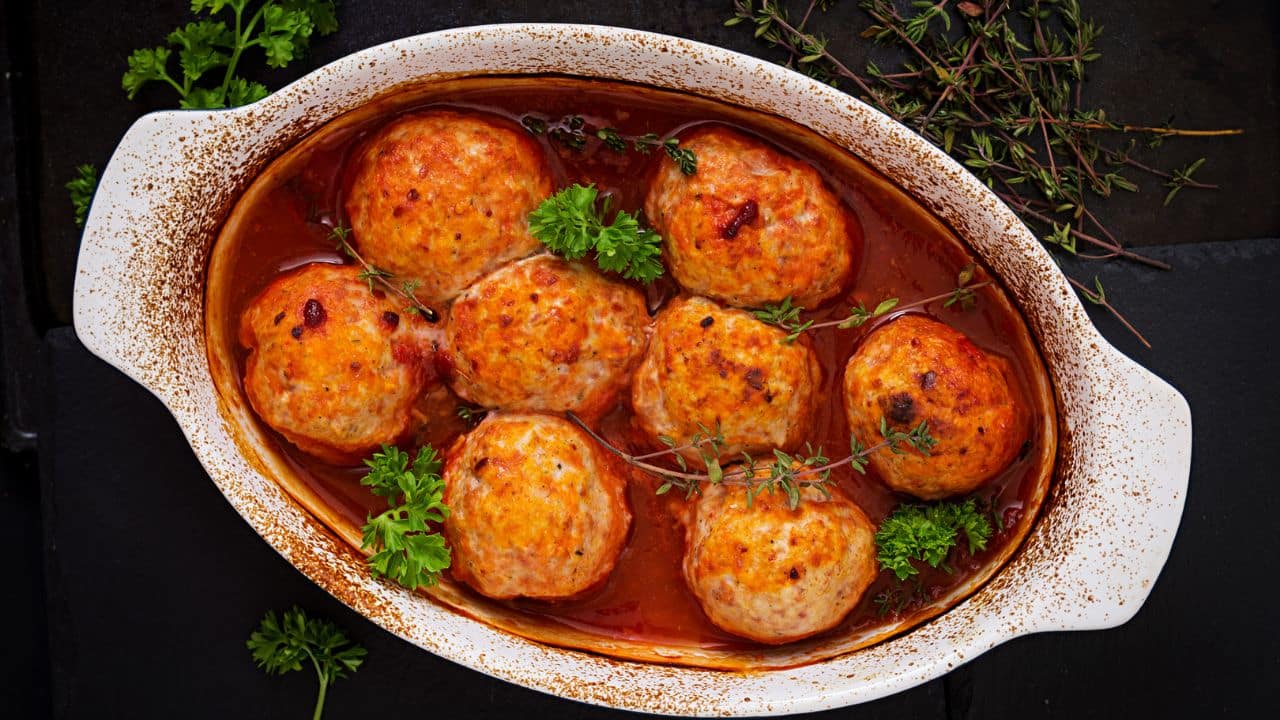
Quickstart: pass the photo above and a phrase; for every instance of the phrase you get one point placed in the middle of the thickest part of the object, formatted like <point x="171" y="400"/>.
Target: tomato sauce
<point x="904" y="252"/>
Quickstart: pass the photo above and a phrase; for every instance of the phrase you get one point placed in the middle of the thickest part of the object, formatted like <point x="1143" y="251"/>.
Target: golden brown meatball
<point x="773" y="574"/>
<point x="443" y="198"/>
<point x="752" y="226"/>
<point x="917" y="369"/>
<point x="537" y="509"/>
<point x="331" y="366"/>
<point x="545" y="334"/>
<point x="707" y="365"/>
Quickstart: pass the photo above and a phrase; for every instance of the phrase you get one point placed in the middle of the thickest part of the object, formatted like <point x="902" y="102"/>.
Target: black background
<point x="131" y="584"/>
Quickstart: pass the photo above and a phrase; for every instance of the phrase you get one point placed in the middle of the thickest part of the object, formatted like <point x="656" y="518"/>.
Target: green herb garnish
<point x="571" y="223"/>
<point x="376" y="277"/>
<point x="81" y="190"/>
<point x="284" y="645"/>
<point x="927" y="533"/>
<point x="997" y="85"/>
<point x="787" y="316"/>
<point x="404" y="548"/>
<point x="573" y="132"/>
<point x="788" y="473"/>
<point x="281" y="28"/>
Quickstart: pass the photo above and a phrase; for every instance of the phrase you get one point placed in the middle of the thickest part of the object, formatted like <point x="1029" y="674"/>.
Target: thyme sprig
<point x="376" y="277"/>
<point x="787" y="316"/>
<point x="1098" y="296"/>
<point x="788" y="473"/>
<point x="996" y="84"/>
<point x="575" y="133"/>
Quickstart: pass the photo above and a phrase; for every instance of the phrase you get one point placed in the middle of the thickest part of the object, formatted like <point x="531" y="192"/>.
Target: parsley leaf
<point x="928" y="533"/>
<point x="81" y="190"/>
<point x="281" y="646"/>
<point x="282" y="28"/>
<point x="572" y="222"/>
<point x="404" y="550"/>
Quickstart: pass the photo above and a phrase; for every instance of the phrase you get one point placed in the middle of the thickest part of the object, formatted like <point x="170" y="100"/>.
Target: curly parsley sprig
<point x="281" y="28"/>
<point x="927" y="533"/>
<point x="81" y="190"/>
<point x="281" y="646"/>
<point x="787" y="316"/>
<point x="787" y="473"/>
<point x="572" y="223"/>
<point x="404" y="549"/>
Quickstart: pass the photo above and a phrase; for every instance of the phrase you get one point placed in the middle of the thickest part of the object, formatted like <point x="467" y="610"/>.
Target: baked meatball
<point x="707" y="365"/>
<point x="537" y="509"/>
<point x="917" y="369"/>
<point x="752" y="226"/>
<point x="545" y="334"/>
<point x="443" y="198"/>
<point x="773" y="574"/>
<point x="332" y="367"/>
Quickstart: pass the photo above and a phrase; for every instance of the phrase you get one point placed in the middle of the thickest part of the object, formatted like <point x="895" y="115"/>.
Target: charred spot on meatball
<point x="746" y="215"/>
<point x="901" y="408"/>
<point x="313" y="314"/>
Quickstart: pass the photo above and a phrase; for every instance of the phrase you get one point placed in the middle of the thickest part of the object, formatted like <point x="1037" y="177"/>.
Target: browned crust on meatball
<point x="708" y="366"/>
<point x="773" y="574"/>
<point x="545" y="334"/>
<point x="916" y="369"/>
<point x="752" y="226"/>
<point x="332" y="367"/>
<point x="442" y="198"/>
<point x="537" y="509"/>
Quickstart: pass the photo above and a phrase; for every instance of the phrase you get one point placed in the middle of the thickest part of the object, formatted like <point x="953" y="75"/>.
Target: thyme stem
<point x="374" y="274"/>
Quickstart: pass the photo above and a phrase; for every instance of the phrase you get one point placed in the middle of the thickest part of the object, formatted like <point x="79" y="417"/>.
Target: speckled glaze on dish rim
<point x="1089" y="563"/>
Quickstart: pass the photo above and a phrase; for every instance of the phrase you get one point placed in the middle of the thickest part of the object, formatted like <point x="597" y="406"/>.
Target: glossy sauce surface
<point x="901" y="252"/>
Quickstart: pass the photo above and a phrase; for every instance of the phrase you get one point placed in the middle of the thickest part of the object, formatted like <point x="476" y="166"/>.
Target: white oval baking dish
<point x="1089" y="563"/>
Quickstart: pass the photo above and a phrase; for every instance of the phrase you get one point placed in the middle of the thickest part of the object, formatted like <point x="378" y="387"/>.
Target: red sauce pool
<point x="904" y="253"/>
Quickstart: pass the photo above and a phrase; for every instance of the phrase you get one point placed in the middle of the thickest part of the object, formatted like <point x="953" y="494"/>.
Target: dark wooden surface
<point x="137" y="583"/>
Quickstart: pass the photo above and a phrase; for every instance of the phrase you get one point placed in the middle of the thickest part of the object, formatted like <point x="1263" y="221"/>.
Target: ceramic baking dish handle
<point x="145" y="243"/>
<point x="1108" y="530"/>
